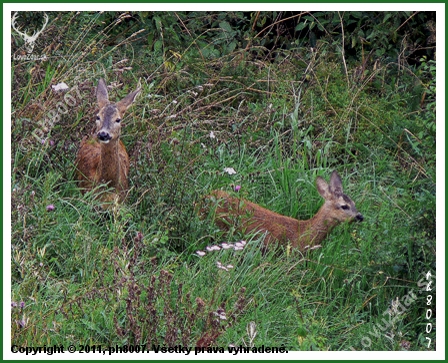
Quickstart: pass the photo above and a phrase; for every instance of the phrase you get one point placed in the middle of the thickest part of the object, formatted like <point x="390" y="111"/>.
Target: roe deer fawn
<point x="102" y="157"/>
<point x="337" y="208"/>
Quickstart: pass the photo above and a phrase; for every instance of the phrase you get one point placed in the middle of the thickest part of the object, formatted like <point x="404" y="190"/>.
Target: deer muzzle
<point x="104" y="137"/>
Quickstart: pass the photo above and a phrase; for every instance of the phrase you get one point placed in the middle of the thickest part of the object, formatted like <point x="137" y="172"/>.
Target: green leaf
<point x="300" y="26"/>
<point x="386" y="17"/>
<point x="225" y="26"/>
<point x="231" y="47"/>
<point x="158" y="45"/>
<point x="150" y="38"/>
<point x="158" y="22"/>
<point x="356" y="14"/>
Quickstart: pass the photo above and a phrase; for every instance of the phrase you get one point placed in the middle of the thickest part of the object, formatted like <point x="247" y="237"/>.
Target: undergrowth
<point x="132" y="275"/>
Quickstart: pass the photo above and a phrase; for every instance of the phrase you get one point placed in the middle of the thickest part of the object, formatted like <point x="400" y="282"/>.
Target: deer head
<point x="338" y="206"/>
<point x="108" y="120"/>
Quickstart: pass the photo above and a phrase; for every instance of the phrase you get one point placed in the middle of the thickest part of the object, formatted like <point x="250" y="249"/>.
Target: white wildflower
<point x="60" y="87"/>
<point x="219" y="265"/>
<point x="221" y="314"/>
<point x="230" y="171"/>
<point x="240" y="244"/>
<point x="212" y="248"/>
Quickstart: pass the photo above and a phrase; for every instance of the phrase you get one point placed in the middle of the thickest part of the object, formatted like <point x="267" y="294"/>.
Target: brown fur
<point x="337" y="208"/>
<point x="102" y="157"/>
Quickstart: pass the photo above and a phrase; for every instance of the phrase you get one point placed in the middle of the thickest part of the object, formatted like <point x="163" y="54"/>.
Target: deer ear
<point x="101" y="93"/>
<point x="124" y="104"/>
<point x="323" y="188"/>
<point x="336" y="184"/>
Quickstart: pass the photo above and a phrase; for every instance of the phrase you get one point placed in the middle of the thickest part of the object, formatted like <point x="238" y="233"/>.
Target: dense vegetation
<point x="279" y="97"/>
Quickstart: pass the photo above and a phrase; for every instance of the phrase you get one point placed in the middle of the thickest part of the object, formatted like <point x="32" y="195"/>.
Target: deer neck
<point x="110" y="163"/>
<point x="313" y="231"/>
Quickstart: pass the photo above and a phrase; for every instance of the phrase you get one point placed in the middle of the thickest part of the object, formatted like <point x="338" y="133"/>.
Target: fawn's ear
<point x="323" y="188"/>
<point x="336" y="184"/>
<point x="101" y="93"/>
<point x="124" y="104"/>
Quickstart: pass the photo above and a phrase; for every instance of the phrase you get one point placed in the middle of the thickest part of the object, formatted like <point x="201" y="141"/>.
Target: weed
<point x="223" y="92"/>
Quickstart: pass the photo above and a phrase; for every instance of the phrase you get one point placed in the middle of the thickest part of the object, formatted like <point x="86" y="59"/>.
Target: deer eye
<point x="345" y="207"/>
<point x="118" y="120"/>
<point x="97" y="117"/>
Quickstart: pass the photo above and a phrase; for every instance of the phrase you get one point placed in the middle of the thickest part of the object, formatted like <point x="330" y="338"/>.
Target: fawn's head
<point x="108" y="120"/>
<point x="338" y="206"/>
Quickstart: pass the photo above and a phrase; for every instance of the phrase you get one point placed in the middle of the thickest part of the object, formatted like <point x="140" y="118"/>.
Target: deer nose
<point x="104" y="136"/>
<point x="359" y="217"/>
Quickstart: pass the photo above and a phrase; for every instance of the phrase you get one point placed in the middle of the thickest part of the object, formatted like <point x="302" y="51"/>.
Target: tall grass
<point x="132" y="276"/>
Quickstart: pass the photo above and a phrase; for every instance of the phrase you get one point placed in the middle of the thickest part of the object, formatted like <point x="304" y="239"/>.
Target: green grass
<point x="131" y="276"/>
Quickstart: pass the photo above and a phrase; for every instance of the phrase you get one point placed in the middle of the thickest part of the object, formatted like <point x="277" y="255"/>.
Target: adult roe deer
<point x="337" y="208"/>
<point x="102" y="157"/>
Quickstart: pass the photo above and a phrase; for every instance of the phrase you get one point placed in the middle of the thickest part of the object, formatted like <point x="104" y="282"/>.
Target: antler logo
<point x="29" y="39"/>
